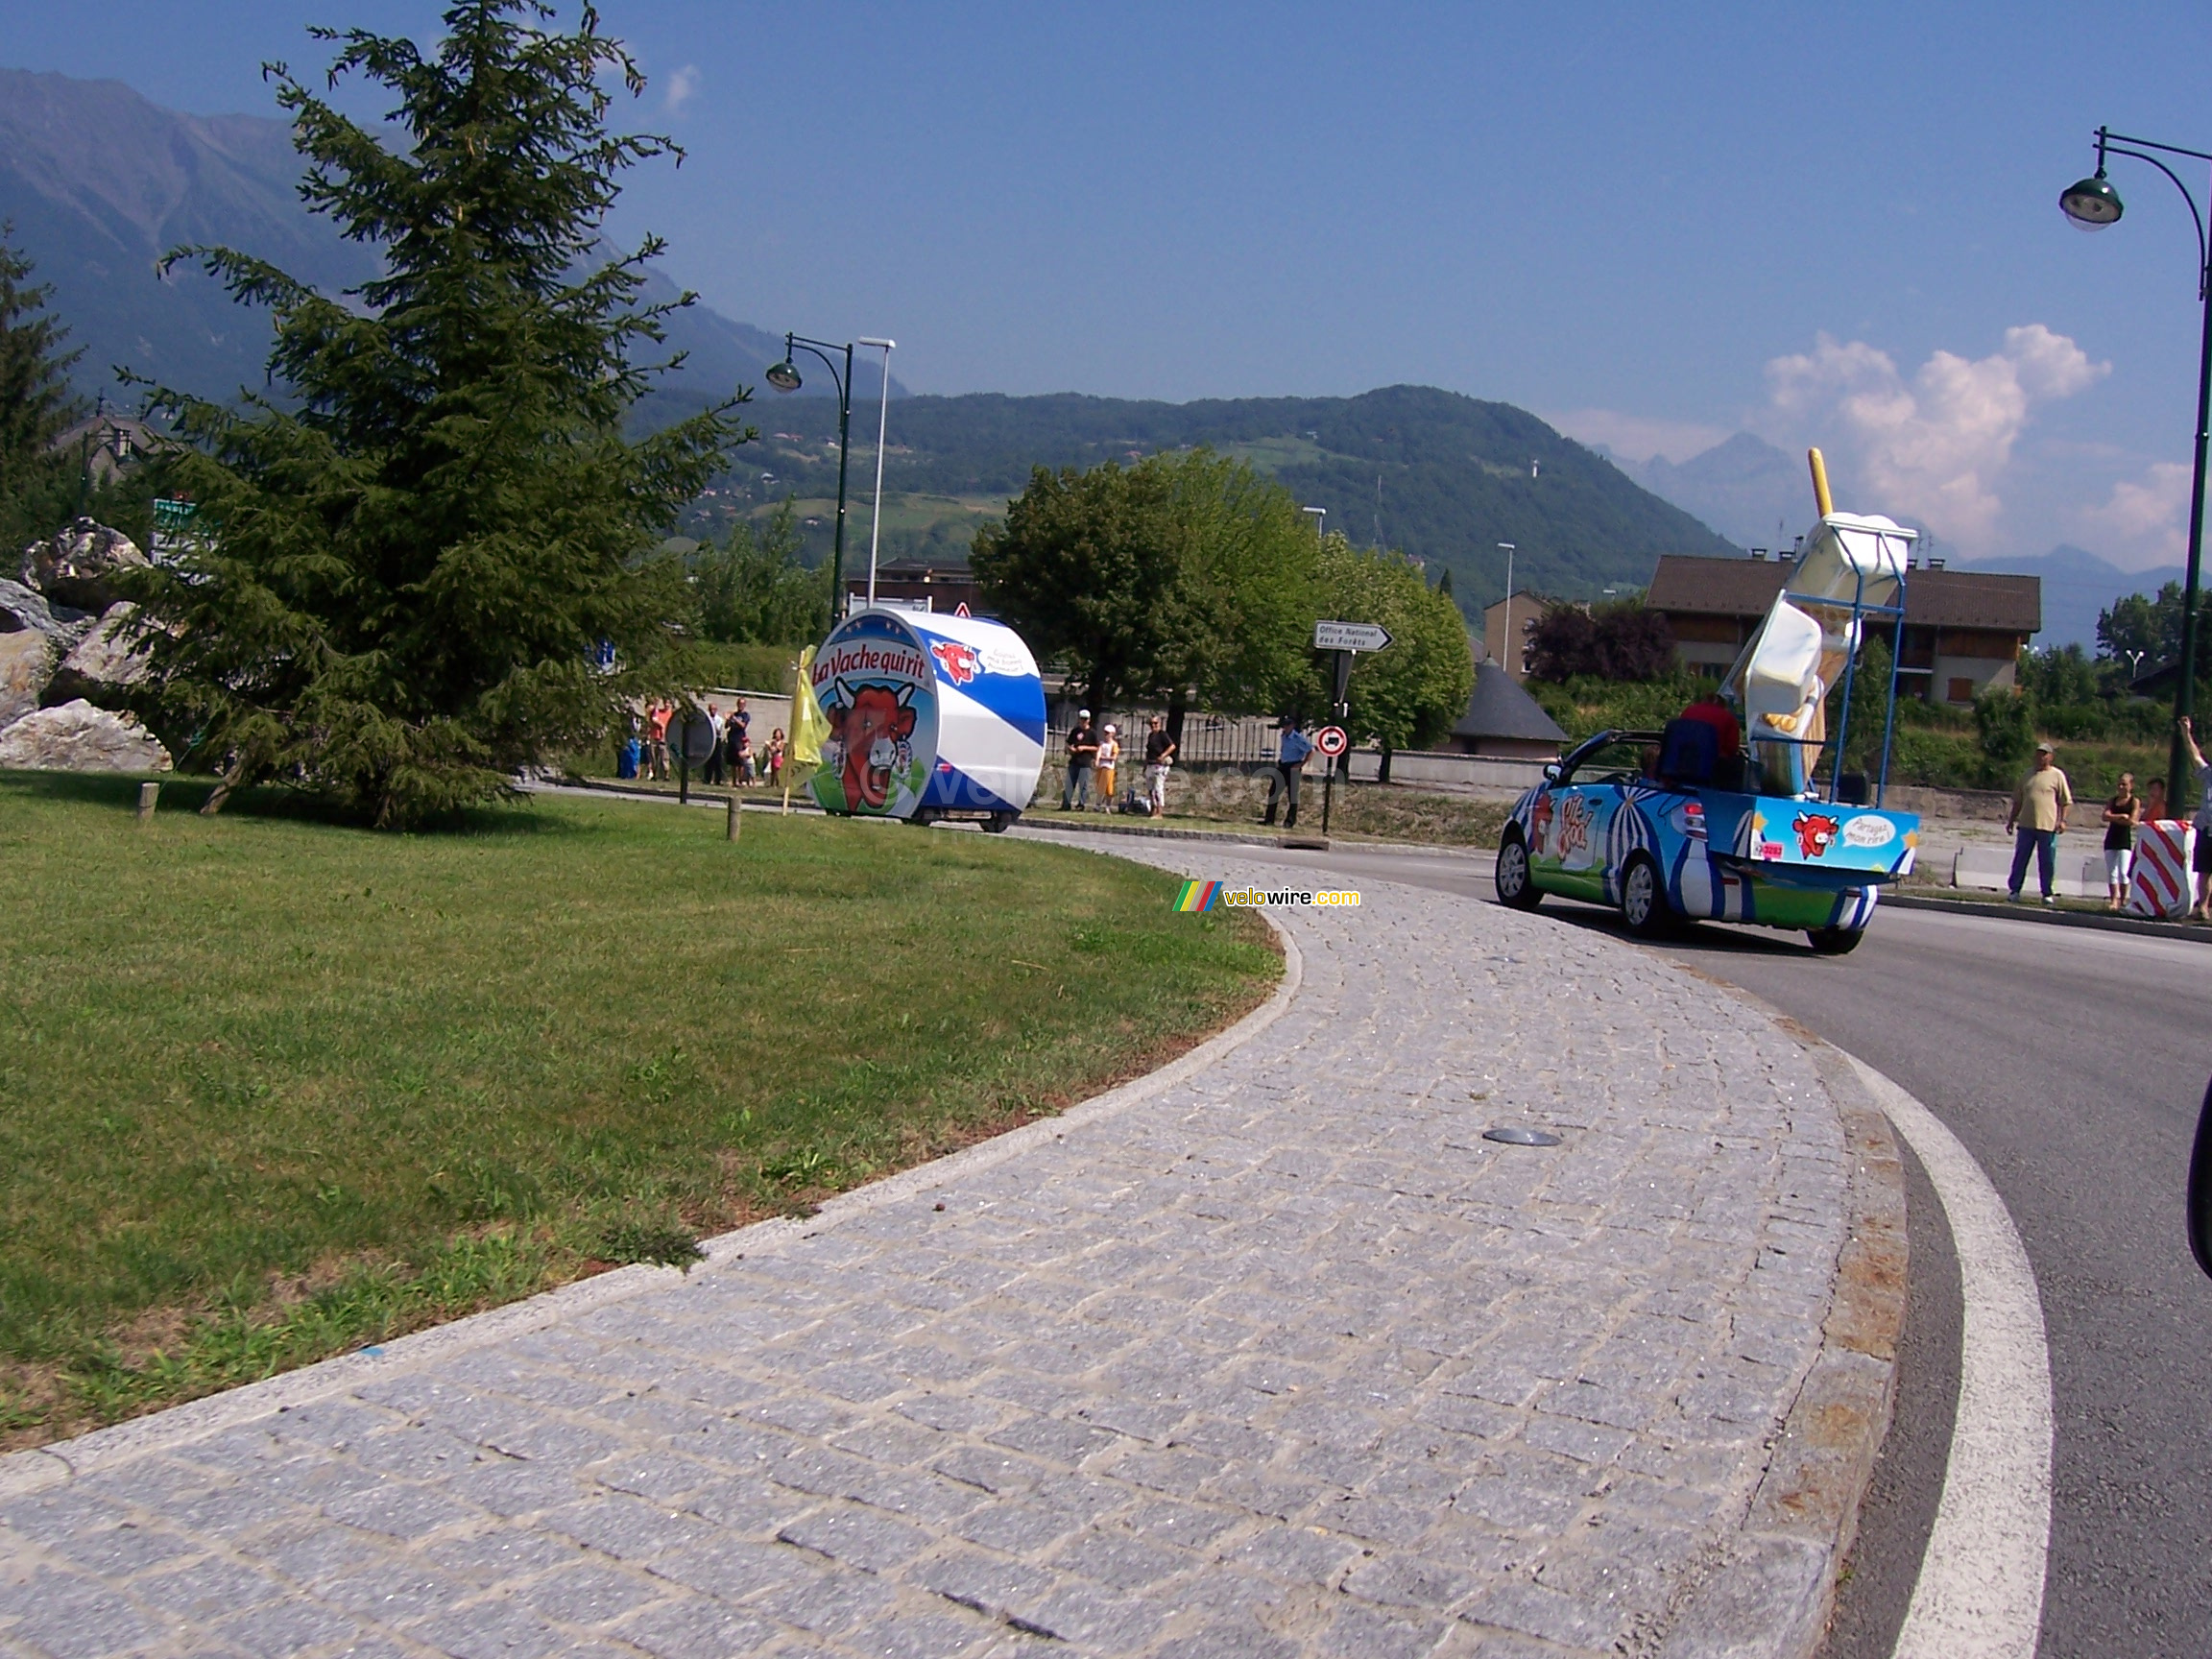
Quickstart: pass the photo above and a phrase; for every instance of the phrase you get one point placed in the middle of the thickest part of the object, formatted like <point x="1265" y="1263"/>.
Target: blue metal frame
<point x="1860" y="611"/>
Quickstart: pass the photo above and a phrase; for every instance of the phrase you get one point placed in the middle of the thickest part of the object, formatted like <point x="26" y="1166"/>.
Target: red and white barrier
<point x="2158" y="882"/>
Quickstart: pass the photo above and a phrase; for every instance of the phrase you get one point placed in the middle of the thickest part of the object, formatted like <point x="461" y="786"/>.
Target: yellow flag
<point x="808" y="724"/>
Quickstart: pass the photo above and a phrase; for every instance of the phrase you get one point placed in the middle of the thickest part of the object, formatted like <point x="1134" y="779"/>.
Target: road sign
<point x="1331" y="741"/>
<point x="1349" y="636"/>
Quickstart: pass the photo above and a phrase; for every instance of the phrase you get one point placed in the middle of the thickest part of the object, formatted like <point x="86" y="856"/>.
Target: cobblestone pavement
<point x="1285" y="1358"/>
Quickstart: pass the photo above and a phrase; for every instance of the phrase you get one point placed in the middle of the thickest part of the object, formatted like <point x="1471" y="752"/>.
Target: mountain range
<point x="99" y="183"/>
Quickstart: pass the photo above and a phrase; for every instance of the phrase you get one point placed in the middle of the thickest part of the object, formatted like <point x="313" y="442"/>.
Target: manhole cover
<point x="1522" y="1137"/>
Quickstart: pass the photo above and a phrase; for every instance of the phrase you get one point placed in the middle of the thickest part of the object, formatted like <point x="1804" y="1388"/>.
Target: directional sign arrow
<point x="1349" y="636"/>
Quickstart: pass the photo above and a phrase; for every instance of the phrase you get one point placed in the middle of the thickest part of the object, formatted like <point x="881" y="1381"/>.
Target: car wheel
<point x="1835" y="941"/>
<point x="1644" y="905"/>
<point x="925" y="816"/>
<point x="998" y="823"/>
<point x="1511" y="876"/>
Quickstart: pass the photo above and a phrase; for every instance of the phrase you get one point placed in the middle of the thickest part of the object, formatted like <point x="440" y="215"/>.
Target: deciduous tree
<point x="753" y="590"/>
<point x="1407" y="695"/>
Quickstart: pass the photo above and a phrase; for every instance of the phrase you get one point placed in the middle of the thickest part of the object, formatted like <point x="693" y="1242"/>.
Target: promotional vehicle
<point x="1686" y="825"/>
<point x="930" y="716"/>
<point x="1602" y="829"/>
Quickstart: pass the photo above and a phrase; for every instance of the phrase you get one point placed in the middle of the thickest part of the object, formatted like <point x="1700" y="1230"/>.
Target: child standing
<point x="1109" y="757"/>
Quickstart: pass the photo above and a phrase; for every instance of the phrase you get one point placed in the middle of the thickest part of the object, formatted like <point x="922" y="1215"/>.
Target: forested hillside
<point x="1438" y="475"/>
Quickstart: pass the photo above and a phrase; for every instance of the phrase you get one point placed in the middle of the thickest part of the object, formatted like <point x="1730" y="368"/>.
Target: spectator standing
<point x="1159" y="762"/>
<point x="632" y="753"/>
<point x="1290" y="767"/>
<point x="2201" y="859"/>
<point x="2154" y="801"/>
<point x="657" y="738"/>
<point x="716" y="755"/>
<point x="2036" y="819"/>
<point x="2122" y="813"/>
<point x="775" y="766"/>
<point x="1082" y="757"/>
<point x="1108" y="766"/>
<point x="741" y="771"/>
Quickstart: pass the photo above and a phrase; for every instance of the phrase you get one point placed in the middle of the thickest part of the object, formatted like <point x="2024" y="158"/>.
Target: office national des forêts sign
<point x="1350" y="636"/>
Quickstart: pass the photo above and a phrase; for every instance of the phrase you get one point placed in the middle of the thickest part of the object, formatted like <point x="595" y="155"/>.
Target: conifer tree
<point x="36" y="406"/>
<point x="420" y="544"/>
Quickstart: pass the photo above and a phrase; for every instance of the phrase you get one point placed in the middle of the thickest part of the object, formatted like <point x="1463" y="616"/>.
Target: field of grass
<point x="271" y="1088"/>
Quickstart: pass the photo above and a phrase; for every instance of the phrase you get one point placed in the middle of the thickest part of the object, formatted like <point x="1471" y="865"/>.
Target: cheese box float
<point x="930" y="716"/>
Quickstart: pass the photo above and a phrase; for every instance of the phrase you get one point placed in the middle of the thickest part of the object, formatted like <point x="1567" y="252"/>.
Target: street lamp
<point x="2092" y="204"/>
<point x="784" y="378"/>
<point x="882" y="426"/>
<point x="1508" y="547"/>
<point x="1320" y="522"/>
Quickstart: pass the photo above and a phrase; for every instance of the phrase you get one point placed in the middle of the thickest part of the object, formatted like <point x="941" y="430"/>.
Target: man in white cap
<point x="2039" y="811"/>
<point x="1082" y="755"/>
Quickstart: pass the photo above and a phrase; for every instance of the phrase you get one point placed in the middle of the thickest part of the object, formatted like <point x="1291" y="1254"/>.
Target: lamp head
<point x="784" y="375"/>
<point x="2091" y="204"/>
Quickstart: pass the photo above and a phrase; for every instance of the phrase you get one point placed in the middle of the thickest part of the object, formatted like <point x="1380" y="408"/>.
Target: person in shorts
<point x="1159" y="762"/>
<point x="2122" y="813"/>
<point x="1107" y="764"/>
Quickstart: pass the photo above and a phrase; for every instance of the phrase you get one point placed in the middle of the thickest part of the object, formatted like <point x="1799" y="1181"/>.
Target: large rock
<point x="24" y="609"/>
<point x="78" y="737"/>
<point x="102" y="662"/>
<point x="26" y="667"/>
<point x="79" y="566"/>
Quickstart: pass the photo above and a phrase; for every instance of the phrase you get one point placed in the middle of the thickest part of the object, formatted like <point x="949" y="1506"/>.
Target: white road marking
<point x="1980" y="1594"/>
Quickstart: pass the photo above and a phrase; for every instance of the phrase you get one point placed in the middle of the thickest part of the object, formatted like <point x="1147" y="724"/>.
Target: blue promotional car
<point x="1618" y="822"/>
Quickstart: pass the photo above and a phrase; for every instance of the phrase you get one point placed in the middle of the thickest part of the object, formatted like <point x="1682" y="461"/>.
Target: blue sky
<point x="1653" y="226"/>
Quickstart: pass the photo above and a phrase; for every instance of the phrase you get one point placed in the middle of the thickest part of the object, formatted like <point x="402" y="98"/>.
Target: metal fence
<point x="1208" y="740"/>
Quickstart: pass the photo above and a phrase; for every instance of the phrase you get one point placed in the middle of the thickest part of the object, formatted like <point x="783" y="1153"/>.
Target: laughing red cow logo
<point x="961" y="662"/>
<point x="1815" y="834"/>
<point x="870" y="733"/>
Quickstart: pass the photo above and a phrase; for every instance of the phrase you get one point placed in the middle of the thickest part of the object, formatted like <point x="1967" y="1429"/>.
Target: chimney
<point x="1934" y="563"/>
<point x="1760" y="554"/>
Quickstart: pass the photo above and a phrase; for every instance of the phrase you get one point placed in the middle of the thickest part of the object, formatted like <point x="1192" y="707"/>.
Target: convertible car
<point x="1622" y="822"/>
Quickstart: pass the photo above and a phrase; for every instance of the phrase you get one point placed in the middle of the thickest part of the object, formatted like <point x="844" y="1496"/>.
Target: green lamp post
<point x="2092" y="204"/>
<point x="784" y="378"/>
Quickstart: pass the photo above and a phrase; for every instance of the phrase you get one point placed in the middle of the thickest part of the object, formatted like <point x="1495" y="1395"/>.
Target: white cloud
<point x="1635" y="438"/>
<point x="2146" y="521"/>
<point x="683" y="85"/>
<point x="1935" y="448"/>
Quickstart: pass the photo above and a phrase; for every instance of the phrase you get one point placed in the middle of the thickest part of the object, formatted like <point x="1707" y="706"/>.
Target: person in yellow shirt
<point x="2037" y="819"/>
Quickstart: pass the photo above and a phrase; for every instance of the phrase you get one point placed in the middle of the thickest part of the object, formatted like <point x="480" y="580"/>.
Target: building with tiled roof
<point x="1964" y="629"/>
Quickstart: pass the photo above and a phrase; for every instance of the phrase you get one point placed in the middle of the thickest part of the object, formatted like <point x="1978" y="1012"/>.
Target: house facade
<point x="1964" y="631"/>
<point x="1506" y="629"/>
<point x="914" y="584"/>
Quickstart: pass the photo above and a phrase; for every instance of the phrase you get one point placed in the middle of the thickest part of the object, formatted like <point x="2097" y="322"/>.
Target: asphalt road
<point x="2071" y="1063"/>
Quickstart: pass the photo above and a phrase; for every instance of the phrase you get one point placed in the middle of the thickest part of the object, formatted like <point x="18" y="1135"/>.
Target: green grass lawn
<point x="271" y="1088"/>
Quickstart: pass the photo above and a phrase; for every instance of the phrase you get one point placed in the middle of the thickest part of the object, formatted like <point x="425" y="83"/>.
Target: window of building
<point x="1961" y="689"/>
